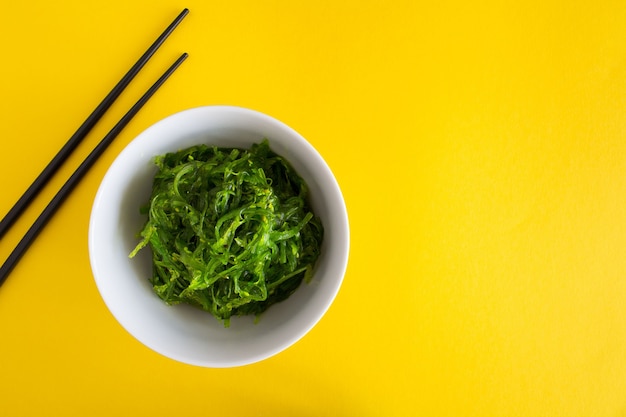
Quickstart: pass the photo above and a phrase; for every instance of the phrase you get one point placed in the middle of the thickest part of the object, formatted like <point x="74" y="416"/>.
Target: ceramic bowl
<point x="182" y="332"/>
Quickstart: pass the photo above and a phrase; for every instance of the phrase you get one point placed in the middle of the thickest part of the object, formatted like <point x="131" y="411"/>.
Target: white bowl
<point x="181" y="332"/>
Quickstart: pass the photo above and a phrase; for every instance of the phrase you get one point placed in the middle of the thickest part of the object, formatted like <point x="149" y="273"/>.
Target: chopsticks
<point x="84" y="129"/>
<point x="73" y="142"/>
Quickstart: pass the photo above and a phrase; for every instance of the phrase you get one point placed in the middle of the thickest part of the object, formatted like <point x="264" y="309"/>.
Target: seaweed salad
<point x="231" y="230"/>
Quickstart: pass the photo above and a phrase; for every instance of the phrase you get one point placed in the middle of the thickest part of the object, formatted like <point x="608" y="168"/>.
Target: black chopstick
<point x="75" y="178"/>
<point x="84" y="129"/>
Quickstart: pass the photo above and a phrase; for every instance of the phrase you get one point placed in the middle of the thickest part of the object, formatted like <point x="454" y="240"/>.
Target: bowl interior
<point x="182" y="332"/>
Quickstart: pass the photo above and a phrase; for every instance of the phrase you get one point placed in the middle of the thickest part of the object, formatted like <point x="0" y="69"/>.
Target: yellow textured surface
<point x="481" y="150"/>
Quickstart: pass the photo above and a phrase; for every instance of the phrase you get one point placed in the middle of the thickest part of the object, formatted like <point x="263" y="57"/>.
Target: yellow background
<point x="481" y="150"/>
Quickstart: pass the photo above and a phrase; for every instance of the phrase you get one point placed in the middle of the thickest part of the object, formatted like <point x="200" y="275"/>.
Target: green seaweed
<point x="231" y="230"/>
